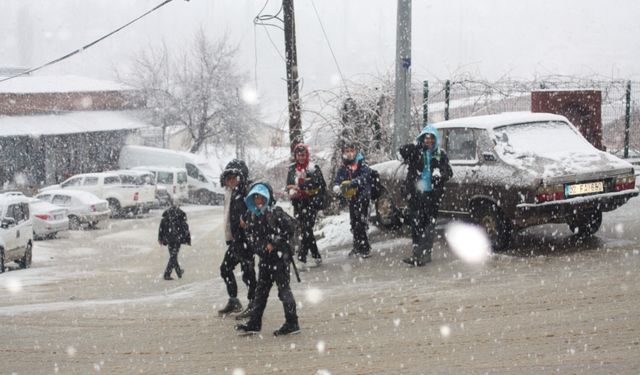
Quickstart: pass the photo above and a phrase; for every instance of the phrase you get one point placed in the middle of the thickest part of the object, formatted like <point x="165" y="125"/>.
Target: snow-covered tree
<point x="196" y="91"/>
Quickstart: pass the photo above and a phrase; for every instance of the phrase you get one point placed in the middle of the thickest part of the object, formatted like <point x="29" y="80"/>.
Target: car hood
<point x="569" y="165"/>
<point x="50" y="187"/>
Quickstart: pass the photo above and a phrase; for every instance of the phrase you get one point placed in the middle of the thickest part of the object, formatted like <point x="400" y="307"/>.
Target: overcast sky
<point x="486" y="39"/>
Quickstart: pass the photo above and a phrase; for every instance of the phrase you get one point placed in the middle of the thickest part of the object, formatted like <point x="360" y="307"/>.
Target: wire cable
<point x="81" y="49"/>
<point x="326" y="38"/>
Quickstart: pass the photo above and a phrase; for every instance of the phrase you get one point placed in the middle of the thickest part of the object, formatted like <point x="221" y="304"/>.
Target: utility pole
<point x="293" y="96"/>
<point x="402" y="116"/>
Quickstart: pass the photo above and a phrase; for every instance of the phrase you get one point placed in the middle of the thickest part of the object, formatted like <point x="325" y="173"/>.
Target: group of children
<point x="254" y="225"/>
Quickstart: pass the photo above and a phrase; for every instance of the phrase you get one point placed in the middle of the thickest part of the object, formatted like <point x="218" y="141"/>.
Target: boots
<point x="418" y="261"/>
<point x="246" y="314"/>
<point x="233" y="306"/>
<point x="246" y="330"/>
<point x="287" y="329"/>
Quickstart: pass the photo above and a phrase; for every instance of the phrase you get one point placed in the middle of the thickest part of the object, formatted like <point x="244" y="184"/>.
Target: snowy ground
<point x="95" y="302"/>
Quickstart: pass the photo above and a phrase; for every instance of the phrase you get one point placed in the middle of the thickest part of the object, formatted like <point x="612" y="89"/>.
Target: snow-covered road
<point x="95" y="302"/>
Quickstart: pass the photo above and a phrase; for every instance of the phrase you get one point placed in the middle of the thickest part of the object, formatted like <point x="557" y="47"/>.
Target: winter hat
<point x="263" y="189"/>
<point x="235" y="167"/>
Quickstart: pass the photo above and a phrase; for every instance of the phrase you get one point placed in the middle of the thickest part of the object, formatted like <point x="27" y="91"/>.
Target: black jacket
<point x="174" y="229"/>
<point x="312" y="188"/>
<point x="275" y="227"/>
<point x="237" y="206"/>
<point x="361" y="179"/>
<point x="414" y="158"/>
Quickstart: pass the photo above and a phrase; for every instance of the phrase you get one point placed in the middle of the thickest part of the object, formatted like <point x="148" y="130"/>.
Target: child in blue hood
<point x="269" y="232"/>
<point x="428" y="170"/>
<point x="353" y="181"/>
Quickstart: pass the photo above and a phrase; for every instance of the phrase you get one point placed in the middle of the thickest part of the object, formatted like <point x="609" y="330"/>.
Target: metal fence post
<point x="627" y="120"/>
<point x="447" y="91"/>
<point x="425" y="103"/>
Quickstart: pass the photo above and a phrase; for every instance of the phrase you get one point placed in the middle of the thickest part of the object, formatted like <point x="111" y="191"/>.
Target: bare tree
<point x="197" y="91"/>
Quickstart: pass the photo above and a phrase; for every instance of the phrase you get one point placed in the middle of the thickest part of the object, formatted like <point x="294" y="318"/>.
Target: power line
<point x="81" y="49"/>
<point x="335" y="60"/>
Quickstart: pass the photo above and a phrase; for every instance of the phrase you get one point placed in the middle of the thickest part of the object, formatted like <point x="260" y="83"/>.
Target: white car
<point x="48" y="219"/>
<point x="171" y="180"/>
<point x="16" y="231"/>
<point x="82" y="207"/>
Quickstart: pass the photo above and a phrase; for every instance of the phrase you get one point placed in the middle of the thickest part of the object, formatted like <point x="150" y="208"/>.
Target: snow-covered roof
<point x="493" y="121"/>
<point x="68" y="123"/>
<point x="58" y="84"/>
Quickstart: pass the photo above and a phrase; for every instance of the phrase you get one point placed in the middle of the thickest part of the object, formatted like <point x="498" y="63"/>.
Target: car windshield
<point x="206" y="169"/>
<point x="541" y="138"/>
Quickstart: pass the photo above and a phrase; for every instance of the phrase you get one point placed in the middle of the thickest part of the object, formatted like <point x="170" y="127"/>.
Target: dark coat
<point x="312" y="189"/>
<point x="414" y="158"/>
<point x="174" y="229"/>
<point x="361" y="178"/>
<point x="237" y="206"/>
<point x="275" y="227"/>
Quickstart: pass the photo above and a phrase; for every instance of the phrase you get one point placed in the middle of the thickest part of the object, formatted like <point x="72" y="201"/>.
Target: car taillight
<point x="550" y="193"/>
<point x="136" y="196"/>
<point x="93" y="208"/>
<point x="625" y="183"/>
<point x="41" y="216"/>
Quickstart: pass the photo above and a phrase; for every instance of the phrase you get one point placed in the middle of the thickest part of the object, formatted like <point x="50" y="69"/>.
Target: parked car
<point x="123" y="198"/>
<point x="16" y="231"/>
<point x="171" y="183"/>
<point x="201" y="179"/>
<point x="145" y="183"/>
<point x="82" y="207"/>
<point x="48" y="219"/>
<point x="516" y="170"/>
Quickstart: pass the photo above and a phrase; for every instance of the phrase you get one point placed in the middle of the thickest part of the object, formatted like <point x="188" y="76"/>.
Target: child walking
<point x="269" y="231"/>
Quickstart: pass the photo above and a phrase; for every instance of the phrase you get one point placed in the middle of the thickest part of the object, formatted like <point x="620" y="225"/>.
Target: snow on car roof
<point x="502" y="119"/>
<point x="82" y="195"/>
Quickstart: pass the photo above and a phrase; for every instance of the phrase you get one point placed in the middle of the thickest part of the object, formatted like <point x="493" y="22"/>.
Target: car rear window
<point x="165" y="178"/>
<point x="541" y="138"/>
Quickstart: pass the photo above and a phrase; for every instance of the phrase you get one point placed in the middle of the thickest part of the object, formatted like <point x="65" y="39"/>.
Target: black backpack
<point x="376" y="185"/>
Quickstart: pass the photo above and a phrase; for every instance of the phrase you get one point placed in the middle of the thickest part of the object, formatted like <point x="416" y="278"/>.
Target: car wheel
<point x="25" y="262"/>
<point x="494" y="223"/>
<point x="74" y="222"/>
<point x="387" y="214"/>
<point x="1" y="260"/>
<point x="587" y="224"/>
<point x="114" y="206"/>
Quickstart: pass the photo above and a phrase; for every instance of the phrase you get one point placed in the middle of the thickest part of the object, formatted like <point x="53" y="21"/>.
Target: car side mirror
<point x="488" y="156"/>
<point x="7" y="222"/>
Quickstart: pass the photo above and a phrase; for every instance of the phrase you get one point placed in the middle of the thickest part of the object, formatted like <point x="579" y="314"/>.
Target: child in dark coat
<point x="269" y="231"/>
<point x="354" y="181"/>
<point x="234" y="178"/>
<point x="428" y="170"/>
<point x="306" y="186"/>
<point x="174" y="232"/>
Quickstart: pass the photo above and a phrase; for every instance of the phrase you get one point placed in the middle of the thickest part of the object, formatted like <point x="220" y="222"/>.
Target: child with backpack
<point x="306" y="188"/>
<point x="269" y="230"/>
<point x="174" y="232"/>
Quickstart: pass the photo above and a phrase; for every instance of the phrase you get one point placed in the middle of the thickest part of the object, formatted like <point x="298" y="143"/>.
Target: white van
<point x="201" y="179"/>
<point x="171" y="179"/>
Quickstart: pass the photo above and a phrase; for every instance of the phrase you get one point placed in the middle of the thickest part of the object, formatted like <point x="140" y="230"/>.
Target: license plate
<point x="581" y="189"/>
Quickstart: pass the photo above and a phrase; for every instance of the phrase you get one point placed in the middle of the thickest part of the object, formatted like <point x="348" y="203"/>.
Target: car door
<point x="462" y="150"/>
<point x="18" y="235"/>
<point x="9" y="232"/>
<point x="91" y="184"/>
